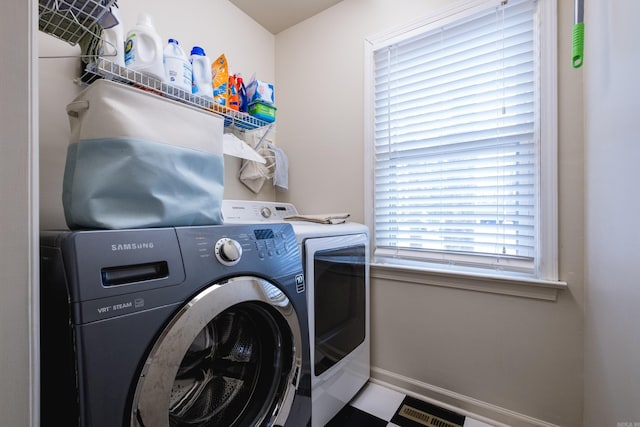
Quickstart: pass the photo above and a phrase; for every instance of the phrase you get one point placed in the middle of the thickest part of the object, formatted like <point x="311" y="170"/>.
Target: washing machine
<point x="189" y="326"/>
<point x="336" y="268"/>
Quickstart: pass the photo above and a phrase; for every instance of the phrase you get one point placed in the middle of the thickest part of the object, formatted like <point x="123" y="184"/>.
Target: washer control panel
<point x="269" y="242"/>
<point x="237" y="246"/>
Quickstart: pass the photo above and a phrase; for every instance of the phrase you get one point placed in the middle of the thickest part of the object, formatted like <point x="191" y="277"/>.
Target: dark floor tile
<point x="353" y="417"/>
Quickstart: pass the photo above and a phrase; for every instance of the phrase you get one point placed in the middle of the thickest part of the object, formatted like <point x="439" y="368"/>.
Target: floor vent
<point x="415" y="412"/>
<point x="423" y="418"/>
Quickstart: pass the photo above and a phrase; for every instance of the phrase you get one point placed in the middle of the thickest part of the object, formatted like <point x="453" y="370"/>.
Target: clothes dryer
<point x="174" y="327"/>
<point x="336" y="267"/>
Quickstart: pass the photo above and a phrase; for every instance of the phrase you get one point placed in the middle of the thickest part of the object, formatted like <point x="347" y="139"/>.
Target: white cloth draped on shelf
<point x="254" y="174"/>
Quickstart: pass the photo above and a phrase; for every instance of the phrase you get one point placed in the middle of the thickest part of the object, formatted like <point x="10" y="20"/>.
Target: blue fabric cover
<point x="120" y="183"/>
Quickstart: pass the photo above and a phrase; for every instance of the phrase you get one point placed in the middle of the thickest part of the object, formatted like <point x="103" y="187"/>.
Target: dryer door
<point x="230" y="357"/>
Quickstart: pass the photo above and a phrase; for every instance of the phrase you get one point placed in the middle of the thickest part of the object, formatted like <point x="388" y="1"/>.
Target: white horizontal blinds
<point x="455" y="140"/>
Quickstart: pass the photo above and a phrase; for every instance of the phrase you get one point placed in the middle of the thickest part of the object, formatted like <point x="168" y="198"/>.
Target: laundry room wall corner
<point x="219" y="27"/>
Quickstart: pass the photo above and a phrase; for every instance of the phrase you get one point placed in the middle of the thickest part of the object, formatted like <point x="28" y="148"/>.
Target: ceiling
<point x="278" y="15"/>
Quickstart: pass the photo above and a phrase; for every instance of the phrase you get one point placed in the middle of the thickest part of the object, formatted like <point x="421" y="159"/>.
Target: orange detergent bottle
<point x="242" y="94"/>
<point x="234" y="99"/>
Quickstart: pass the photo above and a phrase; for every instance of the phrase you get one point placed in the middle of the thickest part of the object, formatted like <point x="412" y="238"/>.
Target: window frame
<point x="545" y="281"/>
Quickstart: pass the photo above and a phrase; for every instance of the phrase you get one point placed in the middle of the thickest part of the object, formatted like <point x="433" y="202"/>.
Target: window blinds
<point x="456" y="142"/>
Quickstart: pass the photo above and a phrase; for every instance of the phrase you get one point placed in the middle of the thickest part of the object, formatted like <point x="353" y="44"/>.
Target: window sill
<point x="515" y="286"/>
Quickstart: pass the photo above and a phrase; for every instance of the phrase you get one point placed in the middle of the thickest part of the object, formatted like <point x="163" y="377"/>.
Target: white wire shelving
<point x="71" y="20"/>
<point x="107" y="69"/>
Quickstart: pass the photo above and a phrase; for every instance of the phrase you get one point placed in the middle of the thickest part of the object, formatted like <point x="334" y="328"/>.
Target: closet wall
<point x="18" y="215"/>
<point x="217" y="26"/>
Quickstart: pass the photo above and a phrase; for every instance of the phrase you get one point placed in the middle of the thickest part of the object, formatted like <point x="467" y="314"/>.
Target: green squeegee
<point x="577" y="50"/>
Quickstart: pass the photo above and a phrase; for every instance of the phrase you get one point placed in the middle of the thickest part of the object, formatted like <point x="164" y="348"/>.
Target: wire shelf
<point x="71" y="20"/>
<point x="107" y="69"/>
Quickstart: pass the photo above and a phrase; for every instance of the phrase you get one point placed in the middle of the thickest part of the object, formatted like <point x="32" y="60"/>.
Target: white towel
<point x="254" y="174"/>
<point x="333" y="218"/>
<point x="281" y="171"/>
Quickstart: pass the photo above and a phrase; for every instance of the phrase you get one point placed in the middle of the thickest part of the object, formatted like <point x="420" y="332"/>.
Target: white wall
<point x="18" y="216"/>
<point x="612" y="107"/>
<point x="217" y="26"/>
<point x="520" y="354"/>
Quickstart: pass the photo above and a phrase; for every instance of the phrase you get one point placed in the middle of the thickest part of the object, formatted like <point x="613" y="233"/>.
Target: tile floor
<point x="377" y="406"/>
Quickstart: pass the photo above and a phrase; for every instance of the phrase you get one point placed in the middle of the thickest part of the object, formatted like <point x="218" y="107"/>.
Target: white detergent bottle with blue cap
<point x="143" y="48"/>
<point x="177" y="69"/>
<point x="202" y="85"/>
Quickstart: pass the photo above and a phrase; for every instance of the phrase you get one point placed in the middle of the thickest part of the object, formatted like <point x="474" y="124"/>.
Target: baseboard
<point x="481" y="411"/>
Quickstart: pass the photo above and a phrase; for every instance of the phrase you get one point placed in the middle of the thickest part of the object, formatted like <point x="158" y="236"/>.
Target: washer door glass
<point x="230" y="357"/>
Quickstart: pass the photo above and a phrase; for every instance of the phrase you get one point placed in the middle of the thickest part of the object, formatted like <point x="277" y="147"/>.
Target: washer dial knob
<point x="228" y="251"/>
<point x="265" y="212"/>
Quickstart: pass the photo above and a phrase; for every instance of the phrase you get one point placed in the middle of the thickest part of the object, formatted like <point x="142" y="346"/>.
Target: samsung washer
<point x="172" y="327"/>
<point x="336" y="266"/>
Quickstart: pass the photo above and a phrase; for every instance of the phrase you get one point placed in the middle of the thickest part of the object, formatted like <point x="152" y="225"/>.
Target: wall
<point x="217" y="26"/>
<point x="515" y="353"/>
<point x="329" y="130"/>
<point x="612" y="103"/>
<point x="18" y="216"/>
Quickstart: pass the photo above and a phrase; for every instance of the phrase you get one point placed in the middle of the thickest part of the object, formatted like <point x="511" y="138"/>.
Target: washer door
<point x="230" y="357"/>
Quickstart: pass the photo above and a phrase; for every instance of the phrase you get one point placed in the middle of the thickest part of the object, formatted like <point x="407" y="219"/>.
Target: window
<point x="461" y="140"/>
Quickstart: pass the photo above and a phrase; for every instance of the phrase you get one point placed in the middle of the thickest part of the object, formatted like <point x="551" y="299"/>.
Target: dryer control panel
<point x="250" y="211"/>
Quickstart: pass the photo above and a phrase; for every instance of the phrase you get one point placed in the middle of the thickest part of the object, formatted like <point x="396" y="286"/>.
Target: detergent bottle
<point x="143" y="48"/>
<point x="242" y="94"/>
<point x="177" y="69"/>
<point x="201" y="83"/>
<point x="233" y="97"/>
